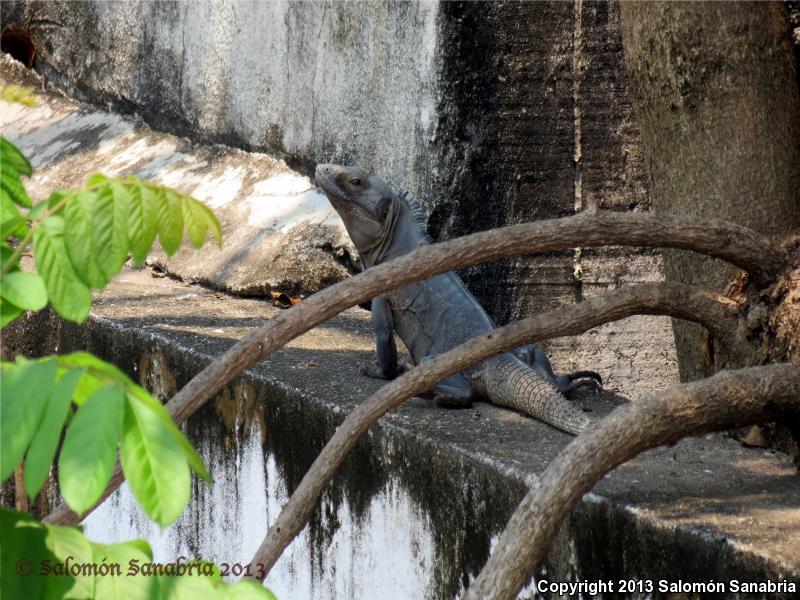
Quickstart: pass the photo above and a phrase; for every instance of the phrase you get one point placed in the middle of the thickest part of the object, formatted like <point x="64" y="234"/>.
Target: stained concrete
<point x="435" y="485"/>
<point x="280" y="233"/>
<point x="491" y="113"/>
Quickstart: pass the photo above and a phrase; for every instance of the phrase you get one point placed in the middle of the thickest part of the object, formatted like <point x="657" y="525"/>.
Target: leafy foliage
<point x="81" y="238"/>
<point x="156" y="457"/>
<point x="49" y="562"/>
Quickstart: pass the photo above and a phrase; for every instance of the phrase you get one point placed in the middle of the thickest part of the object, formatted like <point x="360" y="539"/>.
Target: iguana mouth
<point x="326" y="179"/>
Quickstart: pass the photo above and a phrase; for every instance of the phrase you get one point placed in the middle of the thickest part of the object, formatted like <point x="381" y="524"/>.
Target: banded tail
<point x="507" y="381"/>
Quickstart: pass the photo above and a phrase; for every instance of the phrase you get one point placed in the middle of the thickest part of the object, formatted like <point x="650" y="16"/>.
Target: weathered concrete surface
<point x="417" y="506"/>
<point x="491" y="113"/>
<point x="289" y="77"/>
<point x="280" y="233"/>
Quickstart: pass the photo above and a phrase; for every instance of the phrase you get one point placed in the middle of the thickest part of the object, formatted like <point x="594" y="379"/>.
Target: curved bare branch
<point x="737" y="245"/>
<point x="728" y="399"/>
<point x="674" y="299"/>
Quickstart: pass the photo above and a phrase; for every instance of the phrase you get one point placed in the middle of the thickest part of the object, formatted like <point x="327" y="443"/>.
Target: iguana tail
<point x="507" y="381"/>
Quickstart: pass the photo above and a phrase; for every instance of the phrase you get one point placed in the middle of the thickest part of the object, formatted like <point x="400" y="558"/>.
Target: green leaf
<point x="90" y="382"/>
<point x="89" y="360"/>
<point x="37" y="209"/>
<point x="189" y="587"/>
<point x="24" y="289"/>
<point x="42" y="450"/>
<point x="246" y="590"/>
<point x="131" y="585"/>
<point x="23" y="546"/>
<point x="138" y="546"/>
<point x="90" y="447"/>
<point x="78" y="232"/>
<point x="110" y="228"/>
<point x="11" y="221"/>
<point x="68" y="294"/>
<point x="11" y="183"/>
<point x="8" y="312"/>
<point x="189" y="452"/>
<point x="87" y="386"/>
<point x="23" y="394"/>
<point x="195" y="221"/>
<point x="96" y="180"/>
<point x="142" y="227"/>
<point x="199" y="219"/>
<point x="211" y="221"/>
<point x="12" y="155"/>
<point x="69" y="543"/>
<point x="57" y="200"/>
<point x="170" y="220"/>
<point x="154" y="464"/>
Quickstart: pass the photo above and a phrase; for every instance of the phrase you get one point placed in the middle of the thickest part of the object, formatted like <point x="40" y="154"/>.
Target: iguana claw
<point x="569" y="383"/>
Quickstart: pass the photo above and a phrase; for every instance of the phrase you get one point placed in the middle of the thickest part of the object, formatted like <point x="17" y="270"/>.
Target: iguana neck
<point x="399" y="235"/>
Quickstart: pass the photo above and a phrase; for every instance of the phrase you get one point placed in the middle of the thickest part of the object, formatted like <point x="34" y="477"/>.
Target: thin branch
<point x="672" y="299"/>
<point x="738" y="245"/>
<point x="20" y="497"/>
<point x="728" y="399"/>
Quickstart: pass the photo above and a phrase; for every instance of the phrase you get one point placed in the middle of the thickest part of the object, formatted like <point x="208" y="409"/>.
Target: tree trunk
<point x="716" y="96"/>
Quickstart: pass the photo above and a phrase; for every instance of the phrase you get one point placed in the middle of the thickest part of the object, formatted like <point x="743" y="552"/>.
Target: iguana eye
<point x="356" y="182"/>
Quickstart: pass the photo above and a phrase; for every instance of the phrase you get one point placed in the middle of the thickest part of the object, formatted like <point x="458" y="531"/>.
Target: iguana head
<point x="367" y="205"/>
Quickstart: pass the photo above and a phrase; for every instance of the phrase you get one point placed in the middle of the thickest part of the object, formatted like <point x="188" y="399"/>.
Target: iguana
<point x="436" y="315"/>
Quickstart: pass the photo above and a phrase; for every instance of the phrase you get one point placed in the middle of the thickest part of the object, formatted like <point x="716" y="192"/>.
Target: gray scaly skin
<point x="436" y="315"/>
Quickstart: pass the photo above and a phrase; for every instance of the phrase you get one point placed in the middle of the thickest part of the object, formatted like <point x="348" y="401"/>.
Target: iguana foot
<point x="374" y="371"/>
<point x="569" y="383"/>
<point x="453" y="392"/>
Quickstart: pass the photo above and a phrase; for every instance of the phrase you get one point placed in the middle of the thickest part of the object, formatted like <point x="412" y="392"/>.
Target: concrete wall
<point x="301" y="79"/>
<point x="491" y="113"/>
<point x="416" y="507"/>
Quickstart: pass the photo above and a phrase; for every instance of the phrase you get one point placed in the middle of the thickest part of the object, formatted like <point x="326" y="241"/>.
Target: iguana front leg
<point x="386" y="366"/>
